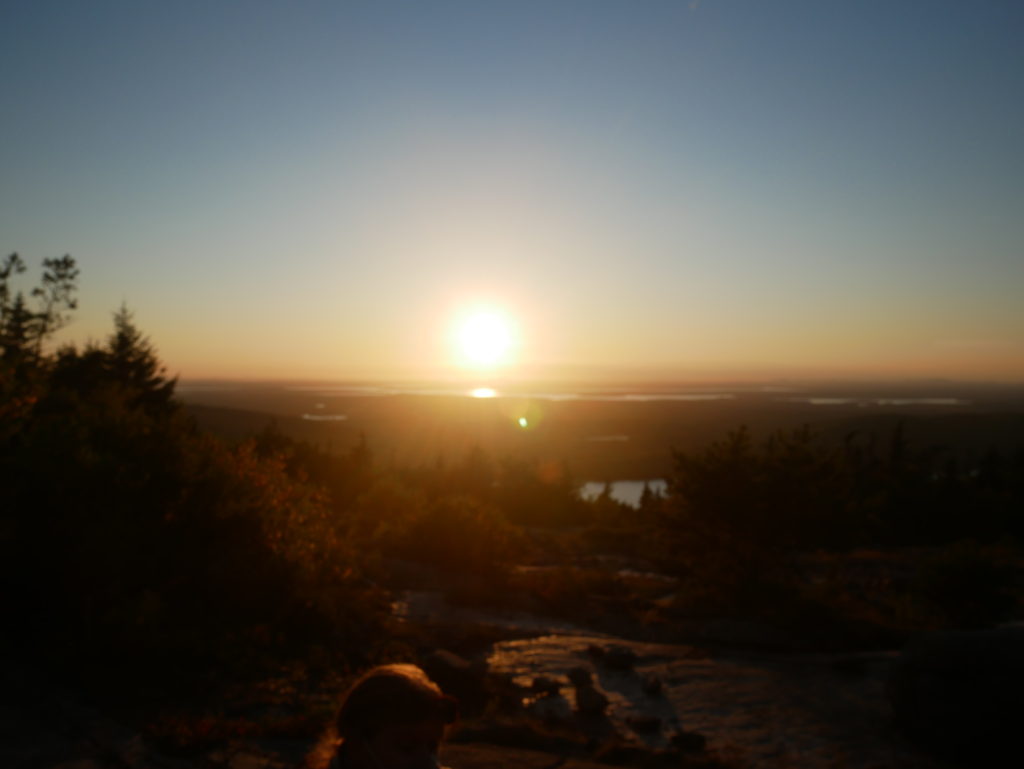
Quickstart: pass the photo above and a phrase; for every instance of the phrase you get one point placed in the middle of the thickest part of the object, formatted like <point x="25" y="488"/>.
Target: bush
<point x="739" y="512"/>
<point x="462" y="537"/>
<point x="130" y="537"/>
<point x="967" y="585"/>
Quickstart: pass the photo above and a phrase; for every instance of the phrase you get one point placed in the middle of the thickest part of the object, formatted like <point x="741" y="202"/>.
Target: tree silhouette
<point x="132" y="362"/>
<point x="55" y="295"/>
<point x="23" y="330"/>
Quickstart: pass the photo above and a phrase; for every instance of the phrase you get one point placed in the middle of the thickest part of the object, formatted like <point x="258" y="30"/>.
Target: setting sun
<point x="484" y="338"/>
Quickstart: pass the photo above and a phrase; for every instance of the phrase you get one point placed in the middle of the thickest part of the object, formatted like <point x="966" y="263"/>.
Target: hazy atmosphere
<point x="549" y="385"/>
<point x="705" y="188"/>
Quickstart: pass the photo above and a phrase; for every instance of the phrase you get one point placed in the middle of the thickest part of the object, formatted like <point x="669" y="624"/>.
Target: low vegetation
<point x="139" y="549"/>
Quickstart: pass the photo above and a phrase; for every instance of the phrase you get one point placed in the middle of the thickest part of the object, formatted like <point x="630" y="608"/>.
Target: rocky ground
<point x="764" y="710"/>
<point x="45" y="726"/>
<point x="574" y="700"/>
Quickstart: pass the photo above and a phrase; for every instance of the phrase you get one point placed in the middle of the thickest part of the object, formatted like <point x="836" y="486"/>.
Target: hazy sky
<point x="314" y="189"/>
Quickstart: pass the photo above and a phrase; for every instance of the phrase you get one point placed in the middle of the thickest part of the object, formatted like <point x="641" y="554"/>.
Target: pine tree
<point x="24" y="329"/>
<point x="133" y="363"/>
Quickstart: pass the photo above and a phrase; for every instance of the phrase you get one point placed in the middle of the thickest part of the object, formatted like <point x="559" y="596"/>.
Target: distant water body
<point x="626" y="492"/>
<point x="485" y="393"/>
<point x="630" y="396"/>
<point x="832" y="401"/>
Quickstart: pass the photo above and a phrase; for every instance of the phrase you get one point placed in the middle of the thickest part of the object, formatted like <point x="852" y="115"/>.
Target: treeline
<point x="129" y="536"/>
<point x="792" y="492"/>
<point x="747" y="516"/>
<point x="748" y="526"/>
<point x="133" y="539"/>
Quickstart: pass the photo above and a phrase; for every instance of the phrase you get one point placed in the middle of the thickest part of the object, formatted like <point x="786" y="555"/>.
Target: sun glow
<point x="485" y="338"/>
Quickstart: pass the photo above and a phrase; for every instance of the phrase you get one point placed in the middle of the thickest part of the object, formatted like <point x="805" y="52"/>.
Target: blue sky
<point x="315" y="189"/>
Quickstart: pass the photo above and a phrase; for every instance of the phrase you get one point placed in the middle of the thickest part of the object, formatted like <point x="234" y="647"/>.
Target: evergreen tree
<point x="23" y="330"/>
<point x="132" y="363"/>
<point x="55" y="295"/>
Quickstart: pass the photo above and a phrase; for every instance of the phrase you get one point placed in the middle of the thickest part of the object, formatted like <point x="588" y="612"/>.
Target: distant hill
<point x="597" y="439"/>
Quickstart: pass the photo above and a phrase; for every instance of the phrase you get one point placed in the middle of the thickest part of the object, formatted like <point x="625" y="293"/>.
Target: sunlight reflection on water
<point x="849" y="401"/>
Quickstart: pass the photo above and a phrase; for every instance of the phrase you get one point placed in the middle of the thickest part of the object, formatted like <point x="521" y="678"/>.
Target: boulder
<point x="643" y="724"/>
<point x="688" y="742"/>
<point x="960" y="692"/>
<point x="546" y="685"/>
<point x="590" y="701"/>
<point x="653" y="686"/>
<point x="619" y="658"/>
<point x="505" y="695"/>
<point x="580" y="676"/>
<point x="551" y="708"/>
<point x="633" y="755"/>
<point x="243" y="760"/>
<point x="457" y="676"/>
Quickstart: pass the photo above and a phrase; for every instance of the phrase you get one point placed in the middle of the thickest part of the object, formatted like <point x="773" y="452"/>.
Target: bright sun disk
<point x="485" y="338"/>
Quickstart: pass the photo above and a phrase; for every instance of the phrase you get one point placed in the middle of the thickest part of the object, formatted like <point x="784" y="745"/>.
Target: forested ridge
<point x="139" y="549"/>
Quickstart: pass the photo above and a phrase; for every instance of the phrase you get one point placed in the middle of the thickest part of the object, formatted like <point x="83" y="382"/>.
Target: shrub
<point x="461" y="536"/>
<point x="968" y="585"/>
<point x="130" y="536"/>
<point x="739" y="512"/>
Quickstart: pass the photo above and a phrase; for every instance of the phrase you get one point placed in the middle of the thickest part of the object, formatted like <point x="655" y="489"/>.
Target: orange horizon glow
<point x="665" y="192"/>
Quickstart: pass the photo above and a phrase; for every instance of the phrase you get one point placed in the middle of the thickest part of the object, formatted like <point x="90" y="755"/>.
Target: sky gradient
<point x="316" y="189"/>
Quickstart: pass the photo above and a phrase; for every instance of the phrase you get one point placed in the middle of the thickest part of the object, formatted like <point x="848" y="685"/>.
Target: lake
<point x="626" y="492"/>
